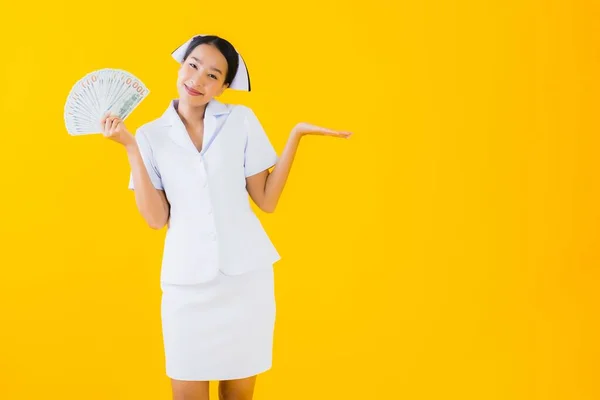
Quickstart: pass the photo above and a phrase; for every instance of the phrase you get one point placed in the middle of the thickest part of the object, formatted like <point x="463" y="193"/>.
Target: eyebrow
<point x="213" y="68"/>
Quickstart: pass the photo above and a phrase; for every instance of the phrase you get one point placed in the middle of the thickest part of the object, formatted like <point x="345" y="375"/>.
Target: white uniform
<point x="218" y="306"/>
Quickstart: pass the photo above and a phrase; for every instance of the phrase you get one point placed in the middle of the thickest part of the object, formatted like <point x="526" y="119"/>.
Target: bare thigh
<point x="190" y="390"/>
<point x="237" y="389"/>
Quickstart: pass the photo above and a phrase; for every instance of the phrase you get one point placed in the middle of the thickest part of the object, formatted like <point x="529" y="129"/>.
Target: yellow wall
<point x="449" y="250"/>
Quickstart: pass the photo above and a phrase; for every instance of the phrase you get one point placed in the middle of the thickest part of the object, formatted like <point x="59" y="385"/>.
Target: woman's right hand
<point x="114" y="129"/>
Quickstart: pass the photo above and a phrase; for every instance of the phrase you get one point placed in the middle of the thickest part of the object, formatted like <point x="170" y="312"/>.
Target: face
<point x="202" y="75"/>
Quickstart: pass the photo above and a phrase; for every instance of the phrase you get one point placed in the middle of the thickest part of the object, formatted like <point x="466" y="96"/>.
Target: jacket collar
<point x="177" y="131"/>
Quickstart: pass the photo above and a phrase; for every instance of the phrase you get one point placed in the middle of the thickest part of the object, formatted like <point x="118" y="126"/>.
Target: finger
<point x="114" y="124"/>
<point x="104" y="118"/>
<point x="328" y="131"/>
<point x="107" y="124"/>
<point x="342" y="134"/>
<point x="110" y="123"/>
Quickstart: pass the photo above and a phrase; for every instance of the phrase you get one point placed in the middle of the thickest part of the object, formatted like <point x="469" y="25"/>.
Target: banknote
<point x="98" y="92"/>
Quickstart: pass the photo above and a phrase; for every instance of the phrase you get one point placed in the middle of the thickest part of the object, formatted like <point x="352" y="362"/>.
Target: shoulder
<point x="237" y="110"/>
<point x="219" y="108"/>
<point x="152" y="128"/>
<point x="245" y="117"/>
<point x="151" y="136"/>
<point x="239" y="117"/>
<point x="154" y="132"/>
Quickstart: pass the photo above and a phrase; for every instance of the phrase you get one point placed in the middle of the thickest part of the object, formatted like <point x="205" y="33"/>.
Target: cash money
<point x="107" y="90"/>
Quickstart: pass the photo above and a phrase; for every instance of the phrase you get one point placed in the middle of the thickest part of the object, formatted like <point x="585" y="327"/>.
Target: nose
<point x="198" y="80"/>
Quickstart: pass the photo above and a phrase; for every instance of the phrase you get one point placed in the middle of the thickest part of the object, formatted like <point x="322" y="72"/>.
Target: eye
<point x="192" y="65"/>
<point x="212" y="76"/>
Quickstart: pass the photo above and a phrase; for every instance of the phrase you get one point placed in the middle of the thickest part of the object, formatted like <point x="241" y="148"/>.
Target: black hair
<point x="224" y="47"/>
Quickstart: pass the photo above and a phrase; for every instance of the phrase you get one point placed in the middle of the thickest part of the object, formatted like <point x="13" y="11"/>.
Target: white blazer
<point x="212" y="227"/>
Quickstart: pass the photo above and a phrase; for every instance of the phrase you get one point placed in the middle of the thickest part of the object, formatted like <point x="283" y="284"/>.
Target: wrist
<point x="131" y="147"/>
<point x="296" y="135"/>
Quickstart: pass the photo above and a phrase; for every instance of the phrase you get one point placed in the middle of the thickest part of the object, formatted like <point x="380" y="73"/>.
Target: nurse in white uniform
<point x="195" y="169"/>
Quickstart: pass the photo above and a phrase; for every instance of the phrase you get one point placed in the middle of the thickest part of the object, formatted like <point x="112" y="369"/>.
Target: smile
<point x="191" y="92"/>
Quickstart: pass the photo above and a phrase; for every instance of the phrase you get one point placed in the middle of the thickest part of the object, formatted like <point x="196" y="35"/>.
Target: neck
<point x="191" y="115"/>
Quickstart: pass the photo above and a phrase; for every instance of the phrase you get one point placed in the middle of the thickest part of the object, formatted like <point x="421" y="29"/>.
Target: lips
<point x="191" y="91"/>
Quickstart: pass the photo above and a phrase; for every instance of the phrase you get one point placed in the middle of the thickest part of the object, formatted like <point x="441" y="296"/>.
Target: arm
<point x="265" y="188"/>
<point x="151" y="202"/>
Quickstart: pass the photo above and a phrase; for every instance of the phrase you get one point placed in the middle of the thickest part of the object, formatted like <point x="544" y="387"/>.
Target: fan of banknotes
<point x="106" y="90"/>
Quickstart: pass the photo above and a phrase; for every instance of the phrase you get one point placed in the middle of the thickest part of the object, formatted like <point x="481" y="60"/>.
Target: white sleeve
<point x="149" y="161"/>
<point x="259" y="153"/>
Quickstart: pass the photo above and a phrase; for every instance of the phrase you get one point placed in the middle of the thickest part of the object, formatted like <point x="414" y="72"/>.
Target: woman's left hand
<point x="304" y="128"/>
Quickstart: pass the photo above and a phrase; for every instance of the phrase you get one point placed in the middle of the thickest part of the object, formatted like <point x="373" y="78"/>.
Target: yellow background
<point x="449" y="250"/>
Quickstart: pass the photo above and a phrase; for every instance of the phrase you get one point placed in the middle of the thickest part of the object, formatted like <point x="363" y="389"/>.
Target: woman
<point x="195" y="170"/>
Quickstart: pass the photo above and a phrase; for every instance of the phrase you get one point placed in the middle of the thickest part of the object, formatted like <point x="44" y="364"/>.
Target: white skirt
<point x="221" y="329"/>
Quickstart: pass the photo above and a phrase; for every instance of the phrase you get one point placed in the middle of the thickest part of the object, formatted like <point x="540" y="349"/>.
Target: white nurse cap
<point x="241" y="80"/>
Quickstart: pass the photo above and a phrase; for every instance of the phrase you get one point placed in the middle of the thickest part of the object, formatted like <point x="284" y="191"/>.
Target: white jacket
<point x="212" y="227"/>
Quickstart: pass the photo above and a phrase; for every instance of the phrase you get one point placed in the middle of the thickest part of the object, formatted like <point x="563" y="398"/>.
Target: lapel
<point x="178" y="133"/>
<point x="215" y="112"/>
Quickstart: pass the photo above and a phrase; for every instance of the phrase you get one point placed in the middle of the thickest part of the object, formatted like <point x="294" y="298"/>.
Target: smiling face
<point x="201" y="76"/>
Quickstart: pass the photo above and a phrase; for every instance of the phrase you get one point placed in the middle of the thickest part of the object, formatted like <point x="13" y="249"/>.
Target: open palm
<point x="304" y="128"/>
